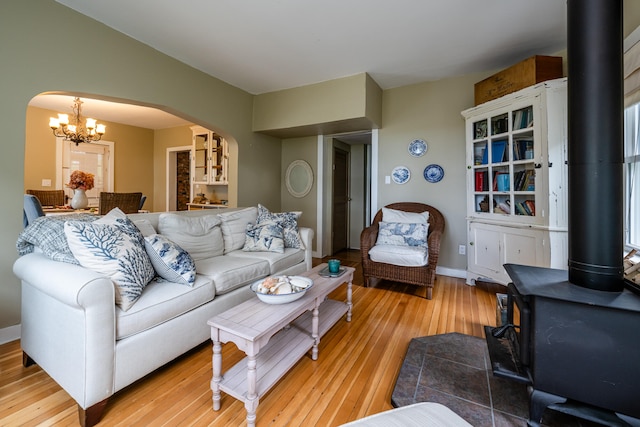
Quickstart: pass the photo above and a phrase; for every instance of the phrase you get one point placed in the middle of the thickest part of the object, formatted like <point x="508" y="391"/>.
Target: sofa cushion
<point x="408" y="256"/>
<point x="170" y="261"/>
<point x="289" y="223"/>
<point x="277" y="261"/>
<point x="234" y="226"/>
<point x="229" y="273"/>
<point x="402" y="234"/>
<point x="114" y="252"/>
<point x="395" y="215"/>
<point x="145" y="227"/>
<point x="265" y="237"/>
<point x="162" y="301"/>
<point x="200" y="236"/>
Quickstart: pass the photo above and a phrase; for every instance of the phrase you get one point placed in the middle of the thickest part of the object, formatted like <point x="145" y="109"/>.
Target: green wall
<point x="35" y="36"/>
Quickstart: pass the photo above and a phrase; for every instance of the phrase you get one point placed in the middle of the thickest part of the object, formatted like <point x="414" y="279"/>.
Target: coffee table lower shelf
<point x="283" y="351"/>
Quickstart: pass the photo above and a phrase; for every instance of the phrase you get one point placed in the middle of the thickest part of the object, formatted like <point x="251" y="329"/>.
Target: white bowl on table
<point x="300" y="286"/>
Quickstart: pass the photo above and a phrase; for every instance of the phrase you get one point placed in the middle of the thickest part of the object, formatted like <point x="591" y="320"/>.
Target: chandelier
<point x="75" y="131"/>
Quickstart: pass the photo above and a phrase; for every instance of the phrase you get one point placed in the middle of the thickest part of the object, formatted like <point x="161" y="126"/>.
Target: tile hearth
<point x="455" y="370"/>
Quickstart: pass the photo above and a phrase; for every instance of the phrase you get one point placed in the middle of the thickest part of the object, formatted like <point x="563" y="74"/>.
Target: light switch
<point x="46" y="183"/>
<point x="387" y="179"/>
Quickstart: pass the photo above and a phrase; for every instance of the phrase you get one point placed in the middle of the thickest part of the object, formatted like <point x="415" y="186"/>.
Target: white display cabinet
<point x="517" y="181"/>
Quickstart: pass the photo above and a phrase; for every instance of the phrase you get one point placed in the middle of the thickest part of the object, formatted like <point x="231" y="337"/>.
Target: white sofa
<point x="73" y="330"/>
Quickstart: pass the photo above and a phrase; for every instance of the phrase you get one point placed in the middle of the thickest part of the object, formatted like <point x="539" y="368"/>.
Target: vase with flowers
<point x="80" y="182"/>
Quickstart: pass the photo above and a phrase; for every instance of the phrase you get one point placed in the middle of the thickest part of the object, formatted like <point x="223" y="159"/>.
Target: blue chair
<point x="32" y="209"/>
<point x="142" y="200"/>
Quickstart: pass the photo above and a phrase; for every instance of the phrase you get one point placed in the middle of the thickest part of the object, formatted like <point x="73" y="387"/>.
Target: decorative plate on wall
<point x="433" y="173"/>
<point x="400" y="174"/>
<point x="417" y="147"/>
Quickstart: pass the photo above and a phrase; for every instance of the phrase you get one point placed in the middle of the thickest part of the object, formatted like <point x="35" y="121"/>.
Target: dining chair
<point x="127" y="202"/>
<point x="49" y="197"/>
<point x="31" y="210"/>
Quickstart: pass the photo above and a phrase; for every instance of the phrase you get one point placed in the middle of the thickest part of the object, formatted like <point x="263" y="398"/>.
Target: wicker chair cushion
<point x="406" y="256"/>
<point x="395" y="215"/>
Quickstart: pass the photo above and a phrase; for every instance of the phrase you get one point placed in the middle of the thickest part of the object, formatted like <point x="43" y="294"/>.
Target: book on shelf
<point x="531" y="205"/>
<point x="522" y="149"/>
<point x="526" y="207"/>
<point x="479" y="180"/>
<point x="503" y="181"/>
<point x="520" y="209"/>
<point x="523" y="119"/>
<point x="485" y="154"/>
<point x="498" y="151"/>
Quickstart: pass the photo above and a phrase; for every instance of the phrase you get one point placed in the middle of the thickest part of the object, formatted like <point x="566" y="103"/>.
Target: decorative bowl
<point x="298" y="286"/>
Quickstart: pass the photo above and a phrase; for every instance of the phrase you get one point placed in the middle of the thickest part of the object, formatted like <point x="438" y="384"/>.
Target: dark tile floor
<point x="455" y="370"/>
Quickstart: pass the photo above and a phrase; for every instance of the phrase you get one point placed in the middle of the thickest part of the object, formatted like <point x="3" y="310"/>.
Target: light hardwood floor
<point x="353" y="377"/>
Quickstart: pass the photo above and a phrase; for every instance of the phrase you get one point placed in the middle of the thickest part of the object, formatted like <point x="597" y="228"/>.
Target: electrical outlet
<point x="387" y="179"/>
<point x="46" y="183"/>
<point x="462" y="249"/>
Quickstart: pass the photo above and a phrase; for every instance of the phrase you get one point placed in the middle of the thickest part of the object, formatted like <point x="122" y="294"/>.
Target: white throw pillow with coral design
<point x="115" y="252"/>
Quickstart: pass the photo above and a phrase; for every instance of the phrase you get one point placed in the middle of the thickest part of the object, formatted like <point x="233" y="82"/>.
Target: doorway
<point x="356" y="186"/>
<point x="340" y="200"/>
<point x="178" y="178"/>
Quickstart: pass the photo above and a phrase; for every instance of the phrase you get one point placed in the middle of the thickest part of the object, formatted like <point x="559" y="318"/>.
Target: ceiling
<point x="263" y="46"/>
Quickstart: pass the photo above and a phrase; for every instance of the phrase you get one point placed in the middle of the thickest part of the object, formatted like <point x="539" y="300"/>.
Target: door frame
<point x="324" y="189"/>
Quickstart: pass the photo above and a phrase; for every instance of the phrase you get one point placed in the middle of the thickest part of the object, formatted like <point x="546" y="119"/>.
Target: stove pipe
<point x="596" y="146"/>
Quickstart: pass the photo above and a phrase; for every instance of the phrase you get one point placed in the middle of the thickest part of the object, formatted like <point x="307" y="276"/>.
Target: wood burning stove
<point x="573" y="346"/>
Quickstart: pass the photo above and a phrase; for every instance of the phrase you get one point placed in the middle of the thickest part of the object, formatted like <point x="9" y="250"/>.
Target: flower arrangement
<point x="80" y="180"/>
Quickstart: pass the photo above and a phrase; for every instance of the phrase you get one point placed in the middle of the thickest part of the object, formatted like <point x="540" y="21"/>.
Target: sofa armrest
<point x="307" y="239"/>
<point x="67" y="283"/>
<point x="68" y="325"/>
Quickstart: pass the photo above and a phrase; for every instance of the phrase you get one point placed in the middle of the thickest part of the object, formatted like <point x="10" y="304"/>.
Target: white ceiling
<point x="263" y="46"/>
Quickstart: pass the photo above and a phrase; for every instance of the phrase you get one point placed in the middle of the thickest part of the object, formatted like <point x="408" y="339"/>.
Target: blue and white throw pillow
<point x="289" y="223"/>
<point x="266" y="237"/>
<point x="116" y="251"/>
<point x="170" y="261"/>
<point x="402" y="234"/>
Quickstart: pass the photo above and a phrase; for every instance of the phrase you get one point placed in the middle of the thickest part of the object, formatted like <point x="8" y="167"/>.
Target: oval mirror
<point x="299" y="178"/>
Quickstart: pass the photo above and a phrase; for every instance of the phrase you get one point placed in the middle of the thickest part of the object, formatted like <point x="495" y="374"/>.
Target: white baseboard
<point x="451" y="272"/>
<point x="11" y="333"/>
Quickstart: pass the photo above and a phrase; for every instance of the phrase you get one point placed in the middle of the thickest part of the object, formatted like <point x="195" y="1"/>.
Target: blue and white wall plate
<point x="400" y="175"/>
<point x="433" y="173"/>
<point x="417" y="147"/>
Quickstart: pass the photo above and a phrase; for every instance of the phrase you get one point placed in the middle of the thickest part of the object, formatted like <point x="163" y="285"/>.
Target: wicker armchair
<point x="420" y="276"/>
<point x="127" y="202"/>
<point x="49" y="197"/>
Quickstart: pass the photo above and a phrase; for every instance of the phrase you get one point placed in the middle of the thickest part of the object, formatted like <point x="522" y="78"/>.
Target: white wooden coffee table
<point x="274" y="338"/>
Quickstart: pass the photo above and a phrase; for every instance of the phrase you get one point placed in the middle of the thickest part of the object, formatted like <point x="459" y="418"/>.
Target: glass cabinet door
<point x="201" y="158"/>
<point x="504" y="169"/>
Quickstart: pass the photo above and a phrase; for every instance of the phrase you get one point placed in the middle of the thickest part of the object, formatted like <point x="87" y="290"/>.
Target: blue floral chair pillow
<point x="170" y="261"/>
<point x="402" y="234"/>
<point x="265" y="237"/>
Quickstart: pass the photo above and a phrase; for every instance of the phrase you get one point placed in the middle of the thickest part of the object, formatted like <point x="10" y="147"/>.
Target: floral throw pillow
<point x="402" y="234"/>
<point x="111" y="250"/>
<point x="170" y="261"/>
<point x="289" y="223"/>
<point x="266" y="237"/>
